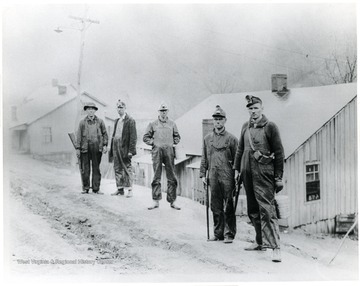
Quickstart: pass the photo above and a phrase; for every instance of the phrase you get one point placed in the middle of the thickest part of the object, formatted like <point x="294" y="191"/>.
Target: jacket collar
<point x="222" y="132"/>
<point x="123" y="117"/>
<point x="163" y="121"/>
<point x="263" y="121"/>
<point x="91" y="120"/>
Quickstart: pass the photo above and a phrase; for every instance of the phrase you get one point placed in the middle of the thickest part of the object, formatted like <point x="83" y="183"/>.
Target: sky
<point x="177" y="53"/>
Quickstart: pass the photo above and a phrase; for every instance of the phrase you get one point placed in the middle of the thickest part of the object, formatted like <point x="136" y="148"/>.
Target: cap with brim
<point x="120" y="103"/>
<point x="90" y="105"/>
<point x="219" y="112"/>
<point x="163" y="107"/>
<point x="251" y="100"/>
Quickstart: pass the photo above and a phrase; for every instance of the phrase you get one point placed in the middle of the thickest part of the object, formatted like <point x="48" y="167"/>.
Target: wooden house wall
<point x="334" y="146"/>
<point x="61" y="121"/>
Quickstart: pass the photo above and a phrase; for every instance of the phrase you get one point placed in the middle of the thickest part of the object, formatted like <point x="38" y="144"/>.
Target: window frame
<point x="46" y="137"/>
<point x="313" y="172"/>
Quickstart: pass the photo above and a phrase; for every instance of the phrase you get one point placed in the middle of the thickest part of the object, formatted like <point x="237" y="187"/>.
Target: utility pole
<point x="84" y="24"/>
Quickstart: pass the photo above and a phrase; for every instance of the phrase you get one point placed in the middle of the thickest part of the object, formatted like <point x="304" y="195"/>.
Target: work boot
<point x="129" y="194"/>
<point x="154" y="206"/>
<point x="228" y="240"/>
<point x="118" y="192"/>
<point x="85" y="192"/>
<point x="215" y="239"/>
<point x="276" y="255"/>
<point x="98" y="192"/>
<point x="175" y="206"/>
<point x="254" y="247"/>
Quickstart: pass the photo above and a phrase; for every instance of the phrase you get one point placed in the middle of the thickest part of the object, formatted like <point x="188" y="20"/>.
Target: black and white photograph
<point x="204" y="142"/>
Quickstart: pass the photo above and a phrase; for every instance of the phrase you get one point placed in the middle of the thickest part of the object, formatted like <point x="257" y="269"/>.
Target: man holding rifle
<point x="219" y="149"/>
<point x="91" y="143"/>
<point x="260" y="162"/>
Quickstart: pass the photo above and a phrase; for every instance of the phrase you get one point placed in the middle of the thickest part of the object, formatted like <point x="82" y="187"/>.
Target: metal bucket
<point x="282" y="205"/>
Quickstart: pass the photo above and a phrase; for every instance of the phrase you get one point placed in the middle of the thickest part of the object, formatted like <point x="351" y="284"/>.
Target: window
<point x="312" y="181"/>
<point x="46" y="135"/>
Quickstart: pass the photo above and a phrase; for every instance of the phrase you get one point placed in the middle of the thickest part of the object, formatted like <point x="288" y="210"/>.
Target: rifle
<point x="207" y="205"/>
<point x="237" y="191"/>
<point x="73" y="141"/>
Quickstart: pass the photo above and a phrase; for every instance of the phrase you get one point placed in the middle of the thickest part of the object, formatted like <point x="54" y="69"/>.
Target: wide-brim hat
<point x="90" y="105"/>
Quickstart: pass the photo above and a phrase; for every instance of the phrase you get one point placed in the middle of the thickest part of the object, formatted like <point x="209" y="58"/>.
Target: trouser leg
<point x="230" y="218"/>
<point x="252" y="206"/>
<point x="170" y="174"/>
<point x="118" y="170"/>
<point x="85" y="167"/>
<point x="265" y="195"/>
<point x="157" y="167"/>
<point x="217" y="208"/>
<point x="95" y="160"/>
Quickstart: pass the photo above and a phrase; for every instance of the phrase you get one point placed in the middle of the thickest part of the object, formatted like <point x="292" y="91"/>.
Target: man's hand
<point x="104" y="149"/>
<point x="130" y="155"/>
<point x="78" y="153"/>
<point x="278" y="185"/>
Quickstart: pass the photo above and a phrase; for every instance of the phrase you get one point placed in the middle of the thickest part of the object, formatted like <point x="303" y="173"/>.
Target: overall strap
<point x="250" y="139"/>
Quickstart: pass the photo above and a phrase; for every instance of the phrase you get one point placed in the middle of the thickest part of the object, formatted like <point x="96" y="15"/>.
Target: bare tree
<point x="341" y="70"/>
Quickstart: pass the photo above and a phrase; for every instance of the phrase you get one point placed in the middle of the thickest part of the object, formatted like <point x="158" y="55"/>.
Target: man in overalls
<point x="162" y="134"/>
<point x="219" y="149"/>
<point x="260" y="161"/>
<point x="91" y="143"/>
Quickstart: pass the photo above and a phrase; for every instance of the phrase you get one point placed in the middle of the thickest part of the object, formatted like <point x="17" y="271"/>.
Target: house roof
<point x="298" y="115"/>
<point x="43" y="101"/>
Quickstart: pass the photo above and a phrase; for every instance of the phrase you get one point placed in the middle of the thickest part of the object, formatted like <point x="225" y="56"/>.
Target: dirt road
<point x="52" y="230"/>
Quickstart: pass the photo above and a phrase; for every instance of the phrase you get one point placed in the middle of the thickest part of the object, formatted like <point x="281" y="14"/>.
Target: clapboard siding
<point x="334" y="147"/>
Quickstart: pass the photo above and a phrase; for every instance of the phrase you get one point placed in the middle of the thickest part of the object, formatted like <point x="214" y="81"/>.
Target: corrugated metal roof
<point x="303" y="112"/>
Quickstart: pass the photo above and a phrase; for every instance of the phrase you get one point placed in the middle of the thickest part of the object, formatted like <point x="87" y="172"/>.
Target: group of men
<point x="256" y="160"/>
<point x="92" y="141"/>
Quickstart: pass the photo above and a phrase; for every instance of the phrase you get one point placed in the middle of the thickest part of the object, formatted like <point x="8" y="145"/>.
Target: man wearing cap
<point x="260" y="162"/>
<point x="219" y="149"/>
<point x="122" y="149"/>
<point x="162" y="134"/>
<point x="91" y="143"/>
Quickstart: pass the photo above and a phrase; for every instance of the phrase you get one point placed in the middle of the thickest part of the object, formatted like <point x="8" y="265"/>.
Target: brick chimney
<point x="207" y="126"/>
<point x="279" y="84"/>
<point x="62" y="89"/>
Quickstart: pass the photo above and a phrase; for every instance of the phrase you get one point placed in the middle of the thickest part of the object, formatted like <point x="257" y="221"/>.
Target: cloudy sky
<point x="147" y="53"/>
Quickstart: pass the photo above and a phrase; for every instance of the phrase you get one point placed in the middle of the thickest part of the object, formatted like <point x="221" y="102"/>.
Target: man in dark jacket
<point x="91" y="143"/>
<point x="162" y="135"/>
<point x="219" y="148"/>
<point x="260" y="161"/>
<point x="122" y="149"/>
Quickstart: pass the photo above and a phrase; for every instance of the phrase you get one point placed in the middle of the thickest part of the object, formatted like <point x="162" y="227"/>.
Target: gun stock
<point x="73" y="141"/>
